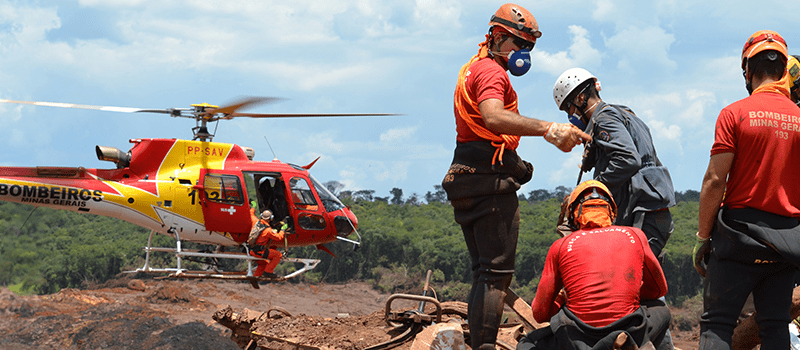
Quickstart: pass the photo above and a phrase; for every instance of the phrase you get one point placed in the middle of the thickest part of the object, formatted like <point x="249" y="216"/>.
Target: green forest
<point x="44" y="250"/>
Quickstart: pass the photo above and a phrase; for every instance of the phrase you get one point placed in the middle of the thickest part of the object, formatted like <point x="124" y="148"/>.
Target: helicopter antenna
<point x="270" y="148"/>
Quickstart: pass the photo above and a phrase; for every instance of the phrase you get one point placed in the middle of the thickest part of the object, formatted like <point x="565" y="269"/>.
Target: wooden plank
<point x="523" y="310"/>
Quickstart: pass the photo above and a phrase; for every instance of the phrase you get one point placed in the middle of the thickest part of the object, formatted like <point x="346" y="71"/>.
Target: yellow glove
<point x="701" y="248"/>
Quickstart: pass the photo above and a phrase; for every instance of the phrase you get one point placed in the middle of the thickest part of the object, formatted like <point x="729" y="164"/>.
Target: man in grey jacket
<point x="622" y="154"/>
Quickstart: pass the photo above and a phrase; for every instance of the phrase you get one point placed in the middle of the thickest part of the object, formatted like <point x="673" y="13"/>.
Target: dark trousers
<point x="657" y="226"/>
<point x="491" y="227"/>
<point x="726" y="287"/>
<point x="649" y="323"/>
<point x="732" y="275"/>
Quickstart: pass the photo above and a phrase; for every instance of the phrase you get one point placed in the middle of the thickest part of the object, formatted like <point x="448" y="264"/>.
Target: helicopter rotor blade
<point x="98" y="108"/>
<point x="307" y="115"/>
<point x="247" y="102"/>
<point x="209" y="114"/>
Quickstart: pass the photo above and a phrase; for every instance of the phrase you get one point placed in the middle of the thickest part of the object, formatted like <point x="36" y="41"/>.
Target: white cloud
<point x="350" y="179"/>
<point x="666" y="131"/>
<point x="604" y="10"/>
<point x="27" y="24"/>
<point x="365" y="175"/>
<point x="392" y="171"/>
<point x="112" y="3"/>
<point x="674" y="62"/>
<point x="667" y="115"/>
<point x="580" y="54"/>
<point x="642" y="49"/>
<point x="624" y="13"/>
<point x="438" y="15"/>
<point x="568" y="169"/>
<point x="398" y="134"/>
<point x="325" y="142"/>
<point x="698" y="102"/>
<point x="10" y="113"/>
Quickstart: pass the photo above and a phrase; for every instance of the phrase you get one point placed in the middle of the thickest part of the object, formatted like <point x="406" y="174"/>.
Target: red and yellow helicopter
<point x="194" y="191"/>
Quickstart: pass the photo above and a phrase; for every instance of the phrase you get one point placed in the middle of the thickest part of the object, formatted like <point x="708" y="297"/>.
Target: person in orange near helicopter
<point x="262" y="235"/>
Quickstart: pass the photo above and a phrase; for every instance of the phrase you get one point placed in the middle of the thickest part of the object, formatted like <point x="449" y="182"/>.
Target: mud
<point x="142" y="313"/>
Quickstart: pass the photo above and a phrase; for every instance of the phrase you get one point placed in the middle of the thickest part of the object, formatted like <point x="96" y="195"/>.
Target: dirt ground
<point x="131" y="313"/>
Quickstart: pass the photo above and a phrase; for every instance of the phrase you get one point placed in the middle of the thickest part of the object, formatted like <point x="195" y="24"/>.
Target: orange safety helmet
<point x="591" y="206"/>
<point x="518" y="21"/>
<point x="763" y="40"/>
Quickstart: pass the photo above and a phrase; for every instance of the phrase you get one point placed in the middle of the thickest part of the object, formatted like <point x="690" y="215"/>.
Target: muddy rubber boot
<point x="485" y="315"/>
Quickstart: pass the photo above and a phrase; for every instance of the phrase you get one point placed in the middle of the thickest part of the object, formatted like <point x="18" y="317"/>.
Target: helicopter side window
<point x="329" y="201"/>
<point x="226" y="189"/>
<point x="302" y="196"/>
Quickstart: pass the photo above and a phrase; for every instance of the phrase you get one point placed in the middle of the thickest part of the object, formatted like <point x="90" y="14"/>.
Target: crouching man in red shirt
<point x="594" y="279"/>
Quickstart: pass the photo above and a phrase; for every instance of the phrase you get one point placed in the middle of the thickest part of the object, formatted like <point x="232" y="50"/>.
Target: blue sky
<point x="675" y="63"/>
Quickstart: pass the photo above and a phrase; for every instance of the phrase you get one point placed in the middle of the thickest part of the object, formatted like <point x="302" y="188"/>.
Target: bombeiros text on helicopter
<point x="196" y="191"/>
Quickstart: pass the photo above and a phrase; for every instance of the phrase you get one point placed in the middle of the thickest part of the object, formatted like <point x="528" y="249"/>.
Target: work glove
<point x="701" y="248"/>
<point x="565" y="136"/>
<point x="284" y="226"/>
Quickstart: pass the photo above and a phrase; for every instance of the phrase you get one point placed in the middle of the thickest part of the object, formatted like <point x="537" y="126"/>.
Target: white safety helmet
<point x="567" y="82"/>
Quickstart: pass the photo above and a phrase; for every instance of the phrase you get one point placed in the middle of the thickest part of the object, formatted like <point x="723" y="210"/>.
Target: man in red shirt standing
<point x="594" y="278"/>
<point x="486" y="172"/>
<point x="750" y="203"/>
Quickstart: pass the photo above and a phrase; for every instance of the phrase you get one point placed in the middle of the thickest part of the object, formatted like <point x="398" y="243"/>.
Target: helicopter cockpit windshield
<point x="329" y="201"/>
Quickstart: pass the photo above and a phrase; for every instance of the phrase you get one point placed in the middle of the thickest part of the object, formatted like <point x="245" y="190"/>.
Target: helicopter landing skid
<point x="190" y="254"/>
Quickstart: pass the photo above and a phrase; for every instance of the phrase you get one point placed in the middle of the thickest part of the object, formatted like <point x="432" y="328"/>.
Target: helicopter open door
<point x="222" y="197"/>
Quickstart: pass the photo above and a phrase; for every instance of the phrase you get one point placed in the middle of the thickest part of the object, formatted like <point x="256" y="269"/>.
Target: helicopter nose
<point x="343" y="227"/>
<point x="345" y="224"/>
<point x="353" y="218"/>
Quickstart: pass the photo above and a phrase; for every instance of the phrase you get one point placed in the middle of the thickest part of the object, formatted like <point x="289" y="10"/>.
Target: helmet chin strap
<point x="748" y="83"/>
<point x="592" y="106"/>
<point x="581" y="109"/>
<point x="503" y="57"/>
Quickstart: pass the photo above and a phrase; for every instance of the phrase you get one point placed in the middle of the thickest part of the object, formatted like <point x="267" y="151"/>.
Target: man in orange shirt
<point x="261" y="241"/>
<point x="486" y="172"/>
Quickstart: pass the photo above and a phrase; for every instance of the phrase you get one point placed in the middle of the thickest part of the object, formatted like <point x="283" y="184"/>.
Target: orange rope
<point x="502" y="141"/>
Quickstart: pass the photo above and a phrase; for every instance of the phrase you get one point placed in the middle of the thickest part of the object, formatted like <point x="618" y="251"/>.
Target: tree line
<point x="438" y="195"/>
<point x="44" y="250"/>
<point x="402" y="238"/>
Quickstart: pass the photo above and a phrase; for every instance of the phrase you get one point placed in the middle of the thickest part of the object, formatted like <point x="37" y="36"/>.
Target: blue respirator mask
<point x="519" y="62"/>
<point x="576" y="120"/>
